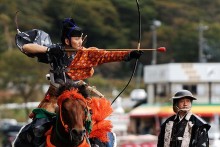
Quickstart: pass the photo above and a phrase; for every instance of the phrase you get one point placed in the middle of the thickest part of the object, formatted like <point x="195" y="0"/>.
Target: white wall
<point x="182" y="72"/>
<point x="179" y="74"/>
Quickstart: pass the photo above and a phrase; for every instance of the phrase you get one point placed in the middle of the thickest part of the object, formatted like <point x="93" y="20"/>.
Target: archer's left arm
<point x="95" y="56"/>
<point x="102" y="56"/>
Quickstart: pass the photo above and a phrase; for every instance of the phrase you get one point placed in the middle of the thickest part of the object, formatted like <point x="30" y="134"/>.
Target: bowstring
<point x="138" y="48"/>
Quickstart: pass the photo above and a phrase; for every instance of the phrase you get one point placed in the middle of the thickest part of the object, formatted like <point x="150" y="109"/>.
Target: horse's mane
<point x="71" y="99"/>
<point x="69" y="85"/>
<point x="101" y="108"/>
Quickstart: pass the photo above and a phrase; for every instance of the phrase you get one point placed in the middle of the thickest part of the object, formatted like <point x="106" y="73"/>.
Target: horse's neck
<point x="59" y="137"/>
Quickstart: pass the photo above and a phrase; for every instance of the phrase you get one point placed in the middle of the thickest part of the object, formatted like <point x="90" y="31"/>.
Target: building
<point x="202" y="79"/>
<point x="163" y="81"/>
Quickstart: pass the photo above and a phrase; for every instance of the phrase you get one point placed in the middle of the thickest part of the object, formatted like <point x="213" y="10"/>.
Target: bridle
<point x="60" y="115"/>
<point x="67" y="128"/>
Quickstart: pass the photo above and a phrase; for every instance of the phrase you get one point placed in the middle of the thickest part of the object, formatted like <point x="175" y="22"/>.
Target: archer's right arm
<point x="43" y="53"/>
<point x="32" y="48"/>
<point x="54" y="49"/>
<point x="36" y="50"/>
<point x="37" y="43"/>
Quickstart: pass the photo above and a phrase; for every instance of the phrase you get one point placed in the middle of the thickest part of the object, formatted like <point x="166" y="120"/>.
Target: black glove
<point x="55" y="49"/>
<point x="133" y="55"/>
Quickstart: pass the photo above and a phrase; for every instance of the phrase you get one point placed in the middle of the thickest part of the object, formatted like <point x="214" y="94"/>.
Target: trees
<point x="23" y="76"/>
<point x="114" y="24"/>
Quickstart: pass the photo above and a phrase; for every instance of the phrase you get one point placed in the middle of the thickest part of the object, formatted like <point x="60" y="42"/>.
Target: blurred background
<point x="189" y="29"/>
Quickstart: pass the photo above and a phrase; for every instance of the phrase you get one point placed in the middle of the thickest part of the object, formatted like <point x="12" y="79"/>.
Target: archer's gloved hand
<point x="55" y="49"/>
<point x="133" y="55"/>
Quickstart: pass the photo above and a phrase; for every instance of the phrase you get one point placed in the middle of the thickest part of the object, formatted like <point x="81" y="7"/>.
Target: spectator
<point x="184" y="129"/>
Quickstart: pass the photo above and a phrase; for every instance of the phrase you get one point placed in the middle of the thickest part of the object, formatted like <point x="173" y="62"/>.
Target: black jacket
<point x="193" y="125"/>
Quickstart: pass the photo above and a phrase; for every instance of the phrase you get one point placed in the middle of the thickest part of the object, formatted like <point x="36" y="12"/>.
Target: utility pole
<point x="201" y="29"/>
<point x="154" y="26"/>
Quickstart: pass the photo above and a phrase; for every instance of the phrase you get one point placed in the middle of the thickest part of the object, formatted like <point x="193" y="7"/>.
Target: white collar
<point x="186" y="116"/>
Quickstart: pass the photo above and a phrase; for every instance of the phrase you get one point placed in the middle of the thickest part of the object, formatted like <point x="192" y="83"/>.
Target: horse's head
<point x="74" y="115"/>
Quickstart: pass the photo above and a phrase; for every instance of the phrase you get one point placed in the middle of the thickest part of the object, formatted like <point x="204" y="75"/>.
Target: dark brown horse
<point x="72" y="123"/>
<point x="73" y="116"/>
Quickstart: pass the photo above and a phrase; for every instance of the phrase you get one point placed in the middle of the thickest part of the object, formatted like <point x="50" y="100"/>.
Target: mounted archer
<point x="76" y="65"/>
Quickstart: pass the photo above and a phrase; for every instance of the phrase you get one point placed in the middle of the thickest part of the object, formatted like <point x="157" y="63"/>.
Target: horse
<point x="81" y="121"/>
<point x="76" y="118"/>
<point x="72" y="122"/>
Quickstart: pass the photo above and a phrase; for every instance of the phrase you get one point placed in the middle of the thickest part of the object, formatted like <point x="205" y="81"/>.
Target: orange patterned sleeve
<point x="82" y="65"/>
<point x="93" y="57"/>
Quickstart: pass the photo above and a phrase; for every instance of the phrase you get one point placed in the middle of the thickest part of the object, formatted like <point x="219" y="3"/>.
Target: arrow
<point x="160" y="49"/>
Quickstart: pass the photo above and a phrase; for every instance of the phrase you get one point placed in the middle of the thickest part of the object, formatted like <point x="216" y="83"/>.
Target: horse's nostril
<point x="82" y="132"/>
<point x="78" y="132"/>
<point x="74" y="131"/>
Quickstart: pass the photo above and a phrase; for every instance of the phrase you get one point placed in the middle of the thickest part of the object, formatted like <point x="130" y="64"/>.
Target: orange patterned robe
<point x="82" y="65"/>
<point x="81" y="68"/>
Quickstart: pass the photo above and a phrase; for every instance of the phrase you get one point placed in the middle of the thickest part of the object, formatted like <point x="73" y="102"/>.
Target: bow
<point x="138" y="48"/>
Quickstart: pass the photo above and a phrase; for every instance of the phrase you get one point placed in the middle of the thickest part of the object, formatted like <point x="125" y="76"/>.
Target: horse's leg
<point x="32" y="135"/>
<point x="112" y="140"/>
<point x="111" y="143"/>
<point x="40" y="126"/>
<point x="24" y="137"/>
<point x="95" y="142"/>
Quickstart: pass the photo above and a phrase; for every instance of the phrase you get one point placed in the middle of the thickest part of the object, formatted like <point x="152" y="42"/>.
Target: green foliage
<point x="106" y="26"/>
<point x="23" y="75"/>
<point x="109" y="24"/>
<point x="17" y="67"/>
<point x="18" y="114"/>
<point x="114" y="24"/>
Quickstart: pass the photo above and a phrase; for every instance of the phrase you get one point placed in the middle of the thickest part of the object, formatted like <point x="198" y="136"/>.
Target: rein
<point x="85" y="142"/>
<point x="72" y="95"/>
<point x="87" y="113"/>
<point x="57" y="131"/>
<point x="68" y="94"/>
<point x="61" y="119"/>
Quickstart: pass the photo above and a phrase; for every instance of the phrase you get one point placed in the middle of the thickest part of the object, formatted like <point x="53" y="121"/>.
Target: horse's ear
<point x="65" y="86"/>
<point x="83" y="90"/>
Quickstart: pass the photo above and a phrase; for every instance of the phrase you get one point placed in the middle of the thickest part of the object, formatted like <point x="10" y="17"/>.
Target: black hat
<point x="183" y="94"/>
<point x="70" y="29"/>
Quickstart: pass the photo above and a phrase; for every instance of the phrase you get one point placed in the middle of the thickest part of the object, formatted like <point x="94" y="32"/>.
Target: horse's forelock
<point x="69" y="94"/>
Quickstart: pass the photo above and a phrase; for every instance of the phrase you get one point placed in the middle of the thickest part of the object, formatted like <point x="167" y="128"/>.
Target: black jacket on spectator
<point x="190" y="131"/>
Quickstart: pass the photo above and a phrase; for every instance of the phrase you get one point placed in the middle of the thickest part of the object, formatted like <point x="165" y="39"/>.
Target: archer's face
<point x="76" y="42"/>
